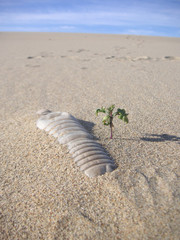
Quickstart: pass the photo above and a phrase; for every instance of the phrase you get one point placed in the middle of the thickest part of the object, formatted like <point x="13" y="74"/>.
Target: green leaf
<point x="120" y="116"/>
<point x="106" y="120"/>
<point x="110" y="109"/>
<point x="97" y="111"/>
<point x="121" y="111"/>
<point x="126" y="119"/>
<point x="103" y="110"/>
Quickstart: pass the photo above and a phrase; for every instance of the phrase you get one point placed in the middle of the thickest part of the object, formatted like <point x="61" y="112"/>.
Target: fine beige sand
<point x="43" y="194"/>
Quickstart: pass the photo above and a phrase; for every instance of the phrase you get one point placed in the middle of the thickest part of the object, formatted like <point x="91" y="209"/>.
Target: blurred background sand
<point x="43" y="193"/>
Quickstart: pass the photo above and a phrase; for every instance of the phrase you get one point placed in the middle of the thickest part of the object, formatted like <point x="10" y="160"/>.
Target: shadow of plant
<point x="161" y="138"/>
<point x="152" y="138"/>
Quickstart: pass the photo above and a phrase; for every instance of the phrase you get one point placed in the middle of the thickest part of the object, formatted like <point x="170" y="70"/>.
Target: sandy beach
<point x="43" y="194"/>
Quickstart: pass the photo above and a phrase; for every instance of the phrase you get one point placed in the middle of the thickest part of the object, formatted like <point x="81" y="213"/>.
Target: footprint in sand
<point x="143" y="58"/>
<point x="42" y="55"/>
<point x="81" y="50"/>
<point x="171" y="58"/>
<point x="30" y="57"/>
<point x="86" y="60"/>
<point x="33" y="66"/>
<point x="110" y="57"/>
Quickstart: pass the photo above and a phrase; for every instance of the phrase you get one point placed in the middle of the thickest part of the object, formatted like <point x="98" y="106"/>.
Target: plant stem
<point x="111" y="124"/>
<point x="111" y="132"/>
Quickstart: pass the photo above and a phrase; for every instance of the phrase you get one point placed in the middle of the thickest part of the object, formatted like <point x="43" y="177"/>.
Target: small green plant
<point x="108" y="119"/>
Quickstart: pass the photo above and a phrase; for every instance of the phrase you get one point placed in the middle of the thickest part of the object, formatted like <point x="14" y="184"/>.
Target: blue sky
<point x="140" y="17"/>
